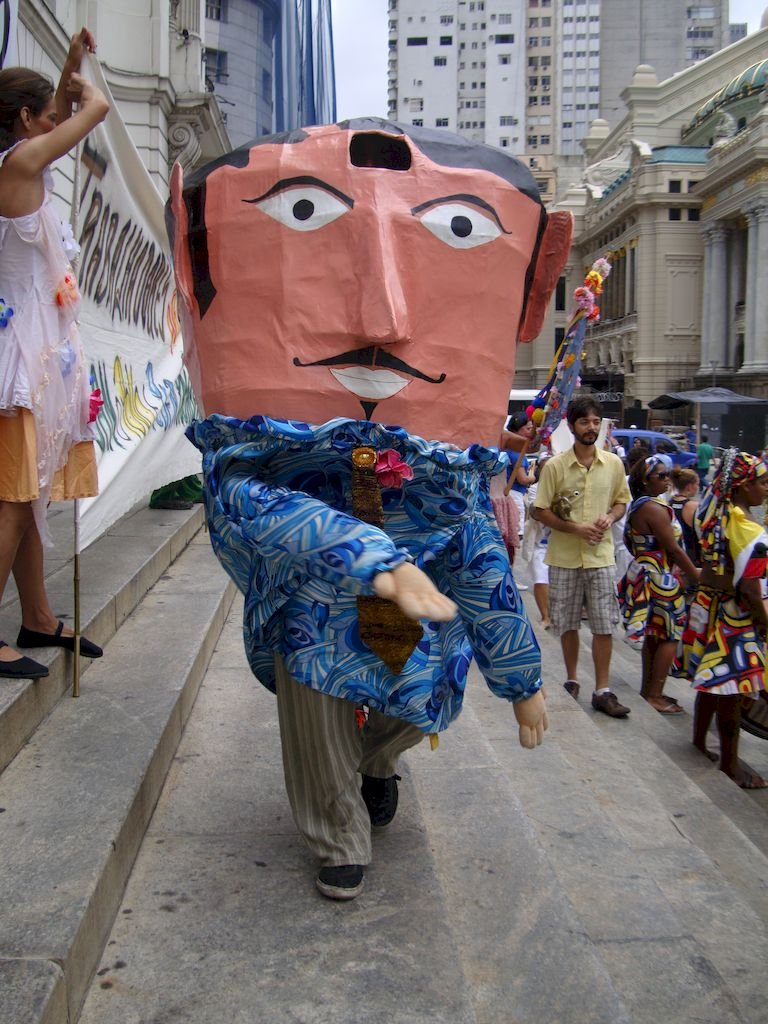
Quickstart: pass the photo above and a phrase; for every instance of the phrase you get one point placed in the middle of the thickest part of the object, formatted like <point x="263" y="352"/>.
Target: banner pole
<point x="74" y="220"/>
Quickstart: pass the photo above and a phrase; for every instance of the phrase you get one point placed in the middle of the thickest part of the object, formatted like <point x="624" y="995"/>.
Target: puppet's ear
<point x="178" y="228"/>
<point x="553" y="252"/>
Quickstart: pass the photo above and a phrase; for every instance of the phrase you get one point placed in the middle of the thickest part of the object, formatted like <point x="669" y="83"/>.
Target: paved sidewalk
<point x="488" y="901"/>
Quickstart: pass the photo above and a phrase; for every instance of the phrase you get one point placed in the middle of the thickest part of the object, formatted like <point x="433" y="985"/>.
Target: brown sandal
<point x="670" y="706"/>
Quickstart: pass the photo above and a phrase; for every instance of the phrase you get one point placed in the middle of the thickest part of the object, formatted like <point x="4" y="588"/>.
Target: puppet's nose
<point x="384" y="314"/>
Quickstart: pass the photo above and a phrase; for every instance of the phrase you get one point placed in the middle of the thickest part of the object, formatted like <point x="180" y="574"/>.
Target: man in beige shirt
<point x="581" y="493"/>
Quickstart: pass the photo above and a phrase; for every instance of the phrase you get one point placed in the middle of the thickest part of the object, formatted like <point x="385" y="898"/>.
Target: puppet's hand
<point x="415" y="593"/>
<point x="532" y="718"/>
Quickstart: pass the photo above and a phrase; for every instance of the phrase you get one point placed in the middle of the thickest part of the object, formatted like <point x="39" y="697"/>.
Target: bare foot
<point x="48" y="626"/>
<point x="707" y="753"/>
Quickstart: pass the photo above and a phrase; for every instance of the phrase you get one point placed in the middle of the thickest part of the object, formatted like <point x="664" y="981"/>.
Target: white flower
<point x="71" y="248"/>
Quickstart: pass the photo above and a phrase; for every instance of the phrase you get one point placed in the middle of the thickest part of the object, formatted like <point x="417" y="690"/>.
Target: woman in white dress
<point x="45" y="451"/>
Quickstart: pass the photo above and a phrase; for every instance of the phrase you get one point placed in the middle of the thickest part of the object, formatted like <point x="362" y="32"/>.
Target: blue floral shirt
<point x="278" y="495"/>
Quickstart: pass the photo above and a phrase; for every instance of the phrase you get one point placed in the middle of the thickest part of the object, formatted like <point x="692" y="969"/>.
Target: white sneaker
<point x="522" y="586"/>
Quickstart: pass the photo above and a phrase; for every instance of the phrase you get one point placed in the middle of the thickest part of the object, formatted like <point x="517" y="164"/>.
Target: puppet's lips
<point x="375" y="385"/>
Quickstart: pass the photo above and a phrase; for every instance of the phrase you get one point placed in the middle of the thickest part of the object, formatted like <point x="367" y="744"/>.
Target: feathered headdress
<point x="714" y="511"/>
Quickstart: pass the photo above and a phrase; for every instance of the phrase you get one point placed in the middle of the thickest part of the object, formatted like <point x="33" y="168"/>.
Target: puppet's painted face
<point x="359" y="291"/>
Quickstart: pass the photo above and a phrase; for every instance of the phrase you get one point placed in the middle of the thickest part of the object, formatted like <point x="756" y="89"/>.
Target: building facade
<point x="531" y="75"/>
<point x="193" y="78"/>
<point x="270" y="64"/>
<point x="239" y="60"/>
<point x="152" y="56"/>
<point x="677" y="197"/>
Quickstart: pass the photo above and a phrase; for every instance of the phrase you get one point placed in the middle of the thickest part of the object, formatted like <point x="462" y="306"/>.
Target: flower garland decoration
<point x="391" y="470"/>
<point x="95" y="403"/>
<point x="67" y="293"/>
<point x="6" y="312"/>
<point x="548" y="407"/>
<point x="68" y="241"/>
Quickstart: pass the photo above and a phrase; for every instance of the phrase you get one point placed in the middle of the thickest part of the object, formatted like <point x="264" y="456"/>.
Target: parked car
<point x="656" y="442"/>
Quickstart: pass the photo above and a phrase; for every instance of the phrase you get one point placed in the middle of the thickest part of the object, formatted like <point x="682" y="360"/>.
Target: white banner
<point x="129" y="326"/>
<point x="9" y="14"/>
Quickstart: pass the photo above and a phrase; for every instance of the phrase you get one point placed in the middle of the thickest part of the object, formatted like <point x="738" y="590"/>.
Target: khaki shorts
<point x="570" y="590"/>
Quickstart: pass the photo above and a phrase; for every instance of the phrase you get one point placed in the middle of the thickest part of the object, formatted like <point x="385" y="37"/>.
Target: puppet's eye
<point x="303" y="209"/>
<point x="460" y="225"/>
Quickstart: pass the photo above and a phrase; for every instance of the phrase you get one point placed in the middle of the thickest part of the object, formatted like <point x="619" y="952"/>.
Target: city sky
<point x="360" y="41"/>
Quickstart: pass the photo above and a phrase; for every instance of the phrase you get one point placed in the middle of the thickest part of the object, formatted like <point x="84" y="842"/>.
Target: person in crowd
<point x="581" y="493"/>
<point x="704" y="454"/>
<point x="534" y="548"/>
<point x="45" y="405"/>
<point x="724" y="641"/>
<point x="637" y="453"/>
<point x="351" y="505"/>
<point x="612" y="445"/>
<point x="516" y="438"/>
<point x="684" y="502"/>
<point x="690" y="437"/>
<point x="506" y="512"/>
<point x="650" y="594"/>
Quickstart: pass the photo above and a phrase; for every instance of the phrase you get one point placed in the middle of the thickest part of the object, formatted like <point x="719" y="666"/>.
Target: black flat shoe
<point x="22" y="668"/>
<point x="31" y="638"/>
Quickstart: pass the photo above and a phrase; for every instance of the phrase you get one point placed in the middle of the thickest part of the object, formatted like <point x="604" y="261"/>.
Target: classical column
<point x="735" y="295"/>
<point x="706" y="323"/>
<point x="189" y="15"/>
<point x="756" y="324"/>
<point x="718" y="303"/>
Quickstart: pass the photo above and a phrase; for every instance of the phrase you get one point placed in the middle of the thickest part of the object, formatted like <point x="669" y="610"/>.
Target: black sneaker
<point x="380" y="796"/>
<point x="340" y="882"/>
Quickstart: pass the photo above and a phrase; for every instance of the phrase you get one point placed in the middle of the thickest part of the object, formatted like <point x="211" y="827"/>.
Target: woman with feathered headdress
<point x="724" y="644"/>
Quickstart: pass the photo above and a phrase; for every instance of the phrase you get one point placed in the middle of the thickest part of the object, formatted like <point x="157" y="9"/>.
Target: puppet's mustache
<point x="373" y="355"/>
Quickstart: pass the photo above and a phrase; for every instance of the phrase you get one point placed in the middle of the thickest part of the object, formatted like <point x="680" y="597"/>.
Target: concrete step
<point x="747" y="809"/>
<point x="221" y="920"/>
<point x="650" y="907"/>
<point x="77" y="798"/>
<point x="115" y="573"/>
<point x="556" y="886"/>
<point x="659" y="875"/>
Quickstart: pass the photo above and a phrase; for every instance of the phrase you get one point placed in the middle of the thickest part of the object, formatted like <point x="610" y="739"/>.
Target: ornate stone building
<point x="151" y="52"/>
<point x="677" y="197"/>
<point x="179" y="70"/>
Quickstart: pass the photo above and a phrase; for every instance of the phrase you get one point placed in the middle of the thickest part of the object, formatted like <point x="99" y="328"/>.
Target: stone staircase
<point x="592" y="881"/>
<point x="80" y="778"/>
<point x="611" y="876"/>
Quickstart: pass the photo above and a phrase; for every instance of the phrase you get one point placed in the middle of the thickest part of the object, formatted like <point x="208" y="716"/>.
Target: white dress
<point x="42" y="367"/>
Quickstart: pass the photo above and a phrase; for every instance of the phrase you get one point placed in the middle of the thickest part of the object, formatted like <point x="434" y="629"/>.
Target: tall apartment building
<point x="531" y="75"/>
<point x="270" y="64"/>
<point x="670" y="35"/>
<point x="459" y="65"/>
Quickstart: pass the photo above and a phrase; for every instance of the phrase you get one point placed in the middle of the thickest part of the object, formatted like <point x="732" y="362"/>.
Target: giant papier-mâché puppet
<point x="351" y="298"/>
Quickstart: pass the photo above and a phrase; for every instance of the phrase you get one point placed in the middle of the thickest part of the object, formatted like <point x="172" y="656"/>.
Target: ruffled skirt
<point x="721" y="651"/>
<point x="19" y="479"/>
<point x="652" y="603"/>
